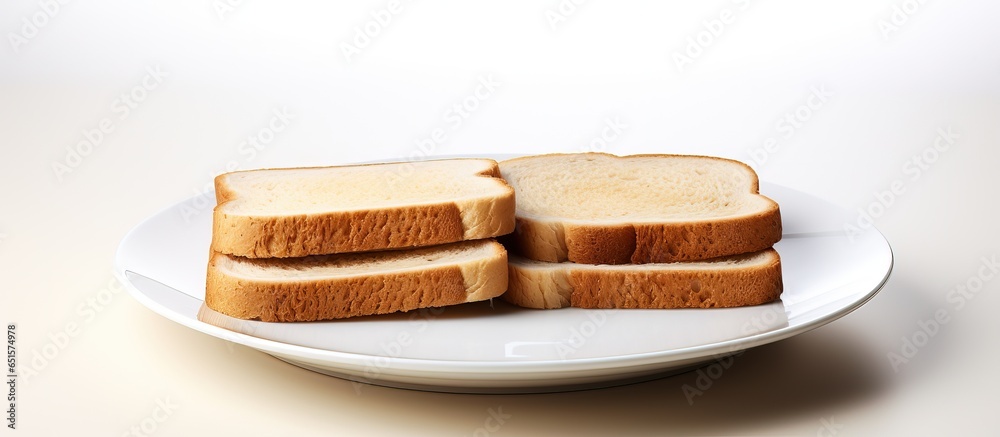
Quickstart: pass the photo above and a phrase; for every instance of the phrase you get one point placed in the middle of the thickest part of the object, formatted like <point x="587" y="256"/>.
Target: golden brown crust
<point x="652" y="289"/>
<point x="537" y="289"/>
<point x="298" y="300"/>
<point x="641" y="243"/>
<point x="685" y="289"/>
<point x="610" y="244"/>
<point x="648" y="243"/>
<point x="699" y="240"/>
<point x="356" y="231"/>
<point x="342" y="232"/>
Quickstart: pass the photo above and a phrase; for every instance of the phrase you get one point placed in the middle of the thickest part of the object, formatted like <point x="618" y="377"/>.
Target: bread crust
<point x="359" y="231"/>
<point x="552" y="240"/>
<point x="298" y="300"/>
<point x="318" y="234"/>
<point x="610" y="287"/>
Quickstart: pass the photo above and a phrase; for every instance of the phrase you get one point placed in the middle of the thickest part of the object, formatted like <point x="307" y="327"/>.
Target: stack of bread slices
<point x="592" y="231"/>
<point x="643" y="231"/>
<point x="308" y="244"/>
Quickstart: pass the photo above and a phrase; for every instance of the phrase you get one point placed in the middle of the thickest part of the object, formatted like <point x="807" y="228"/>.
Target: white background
<point x="560" y="78"/>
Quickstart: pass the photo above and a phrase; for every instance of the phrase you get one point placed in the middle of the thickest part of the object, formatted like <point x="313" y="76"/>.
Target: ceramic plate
<point x="496" y="347"/>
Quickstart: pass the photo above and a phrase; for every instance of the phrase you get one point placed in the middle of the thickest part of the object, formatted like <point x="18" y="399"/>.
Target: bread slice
<point x="596" y="208"/>
<point x="322" y="210"/>
<point x="741" y="280"/>
<point x="326" y="287"/>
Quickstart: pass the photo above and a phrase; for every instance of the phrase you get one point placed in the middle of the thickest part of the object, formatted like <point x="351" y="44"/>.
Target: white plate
<point x="497" y="347"/>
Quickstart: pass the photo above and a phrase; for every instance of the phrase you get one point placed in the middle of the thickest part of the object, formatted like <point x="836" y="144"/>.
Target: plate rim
<point x="433" y="365"/>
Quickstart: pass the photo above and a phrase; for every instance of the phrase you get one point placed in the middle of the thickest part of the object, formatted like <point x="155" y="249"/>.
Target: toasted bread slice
<point x="596" y="208"/>
<point x="741" y="280"/>
<point x="314" y="211"/>
<point x="324" y="287"/>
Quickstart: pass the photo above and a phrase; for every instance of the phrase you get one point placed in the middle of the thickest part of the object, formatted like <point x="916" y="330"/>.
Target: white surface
<point x="502" y="348"/>
<point x="608" y="60"/>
